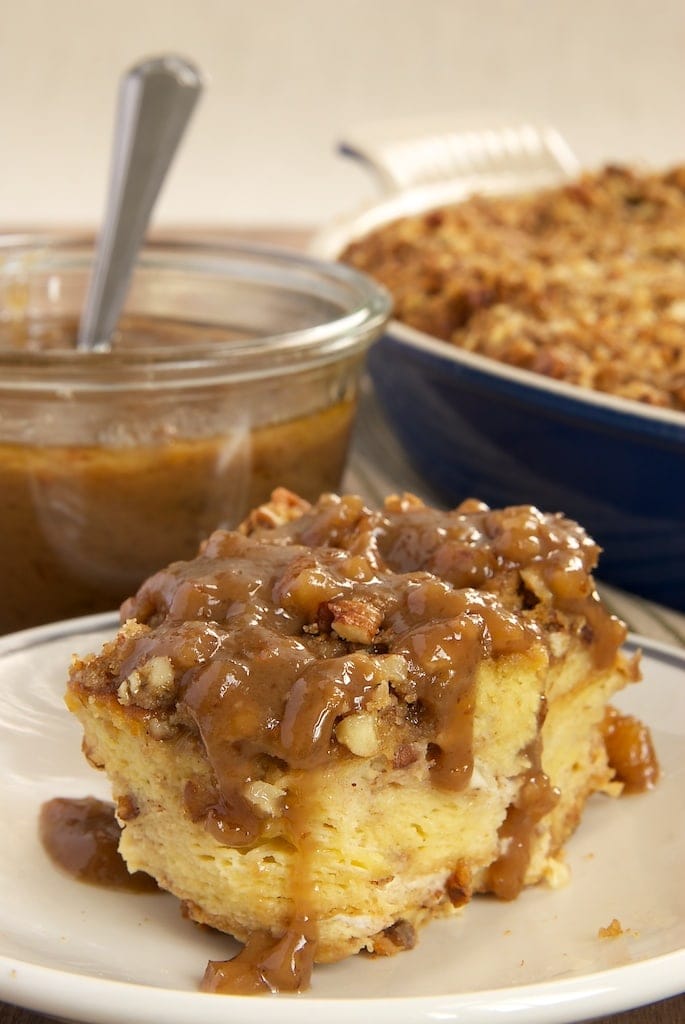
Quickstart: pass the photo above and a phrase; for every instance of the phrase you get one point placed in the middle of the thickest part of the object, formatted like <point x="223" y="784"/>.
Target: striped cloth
<point x="378" y="467"/>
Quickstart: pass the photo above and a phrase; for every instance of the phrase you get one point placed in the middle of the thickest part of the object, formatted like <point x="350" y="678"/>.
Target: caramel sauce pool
<point x="630" y="751"/>
<point x="81" y="836"/>
<point x="266" y="964"/>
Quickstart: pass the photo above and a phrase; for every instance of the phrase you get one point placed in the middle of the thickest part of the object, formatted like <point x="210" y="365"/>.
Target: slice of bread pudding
<point x="337" y="723"/>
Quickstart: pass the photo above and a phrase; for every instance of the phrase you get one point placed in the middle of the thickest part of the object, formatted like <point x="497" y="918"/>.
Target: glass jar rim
<point x="364" y="309"/>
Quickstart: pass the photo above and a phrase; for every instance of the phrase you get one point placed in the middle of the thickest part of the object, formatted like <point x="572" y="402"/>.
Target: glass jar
<point x="233" y="370"/>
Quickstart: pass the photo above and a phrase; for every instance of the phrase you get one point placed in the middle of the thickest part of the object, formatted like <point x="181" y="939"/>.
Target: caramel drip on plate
<point x="630" y="751"/>
<point x="81" y="836"/>
<point x="265" y="964"/>
<point x="282" y="963"/>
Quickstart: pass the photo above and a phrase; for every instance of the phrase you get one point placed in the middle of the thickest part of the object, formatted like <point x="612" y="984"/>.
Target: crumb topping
<point x="584" y="283"/>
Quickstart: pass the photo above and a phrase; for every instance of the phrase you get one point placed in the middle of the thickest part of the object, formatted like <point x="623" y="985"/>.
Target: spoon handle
<point x="156" y="100"/>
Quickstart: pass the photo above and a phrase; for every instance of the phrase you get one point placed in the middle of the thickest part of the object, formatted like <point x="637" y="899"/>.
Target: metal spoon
<point x="156" y="100"/>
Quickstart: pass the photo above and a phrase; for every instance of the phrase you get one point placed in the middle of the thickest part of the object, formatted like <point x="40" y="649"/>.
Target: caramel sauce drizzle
<point x="536" y="798"/>
<point x="264" y="670"/>
<point x="283" y="963"/>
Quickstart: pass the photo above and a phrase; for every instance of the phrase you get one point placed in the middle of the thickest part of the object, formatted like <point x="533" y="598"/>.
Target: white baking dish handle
<point x="403" y="156"/>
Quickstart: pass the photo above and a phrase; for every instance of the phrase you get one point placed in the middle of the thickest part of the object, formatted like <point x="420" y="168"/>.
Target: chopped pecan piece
<point x="358" y="733"/>
<point x="399" y="936"/>
<point x="458" y="886"/>
<point x="149" y="686"/>
<point x="355" y="621"/>
<point x="283" y="508"/>
<point x="127" y="807"/>
<point x="404" y="756"/>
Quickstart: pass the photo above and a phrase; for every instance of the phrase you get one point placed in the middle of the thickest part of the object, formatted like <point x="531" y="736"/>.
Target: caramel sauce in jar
<point x="102" y="485"/>
<point x="81" y="526"/>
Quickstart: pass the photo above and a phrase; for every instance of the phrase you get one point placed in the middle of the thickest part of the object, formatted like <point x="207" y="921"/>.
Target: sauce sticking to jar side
<point x="106" y="476"/>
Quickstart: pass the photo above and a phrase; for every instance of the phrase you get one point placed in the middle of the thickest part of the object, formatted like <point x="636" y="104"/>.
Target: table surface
<point x="377" y="467"/>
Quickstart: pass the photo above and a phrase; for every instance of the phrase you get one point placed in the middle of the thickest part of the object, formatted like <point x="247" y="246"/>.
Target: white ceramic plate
<point x="75" y="951"/>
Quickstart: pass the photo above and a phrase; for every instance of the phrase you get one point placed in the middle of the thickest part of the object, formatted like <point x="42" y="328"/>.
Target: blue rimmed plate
<point x="87" y="954"/>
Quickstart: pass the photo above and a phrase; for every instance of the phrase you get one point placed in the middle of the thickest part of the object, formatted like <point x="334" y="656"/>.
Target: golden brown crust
<point x="584" y="283"/>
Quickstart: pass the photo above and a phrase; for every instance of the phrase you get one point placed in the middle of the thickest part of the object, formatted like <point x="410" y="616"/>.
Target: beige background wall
<point x="288" y="78"/>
